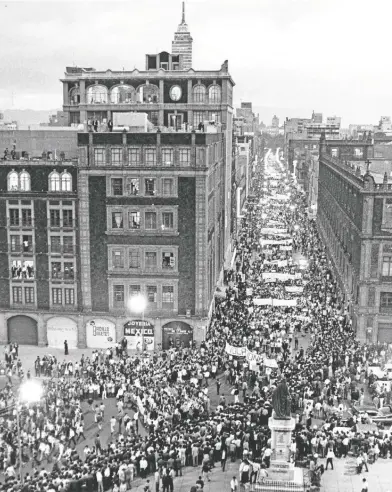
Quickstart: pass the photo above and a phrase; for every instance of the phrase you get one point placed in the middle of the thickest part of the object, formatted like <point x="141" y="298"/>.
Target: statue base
<point x="282" y="475"/>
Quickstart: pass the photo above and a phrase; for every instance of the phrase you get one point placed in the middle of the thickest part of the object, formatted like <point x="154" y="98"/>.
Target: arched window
<point x="214" y="94"/>
<point x="25" y="184"/>
<point x="74" y="96"/>
<point x="148" y="93"/>
<point x="97" y="94"/>
<point x="122" y="94"/>
<point x="54" y="181"/>
<point x="13" y="181"/>
<point x="199" y="94"/>
<point x="66" y="182"/>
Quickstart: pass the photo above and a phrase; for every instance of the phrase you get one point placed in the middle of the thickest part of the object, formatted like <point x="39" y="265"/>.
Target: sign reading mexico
<point x="140" y="334"/>
<point x="100" y="333"/>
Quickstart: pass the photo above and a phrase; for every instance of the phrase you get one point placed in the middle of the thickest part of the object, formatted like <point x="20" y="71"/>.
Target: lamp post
<point x="137" y="304"/>
<point x="29" y="392"/>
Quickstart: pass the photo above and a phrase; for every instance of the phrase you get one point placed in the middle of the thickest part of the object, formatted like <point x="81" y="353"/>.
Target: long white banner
<point x="250" y="356"/>
<point x="283" y="277"/>
<point x="265" y="242"/>
<point x="268" y="301"/>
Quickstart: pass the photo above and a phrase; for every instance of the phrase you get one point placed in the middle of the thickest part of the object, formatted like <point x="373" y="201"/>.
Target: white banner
<point x="283" y="277"/>
<point x="285" y="248"/>
<point x="295" y="289"/>
<point x="275" y="302"/>
<point x="237" y="351"/>
<point x="271" y="363"/>
<point x="265" y="242"/>
<point x="272" y="230"/>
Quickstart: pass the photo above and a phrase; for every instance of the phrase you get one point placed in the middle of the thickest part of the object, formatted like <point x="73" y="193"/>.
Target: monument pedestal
<point x="281" y="473"/>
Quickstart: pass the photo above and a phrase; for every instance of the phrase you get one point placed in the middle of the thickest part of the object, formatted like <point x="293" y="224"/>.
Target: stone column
<point x="65" y="94"/>
<point x="281" y="432"/>
<point x="42" y="334"/>
<point x="81" y="332"/>
<point x="82" y="90"/>
<point x="201" y="301"/>
<point x="3" y="329"/>
<point x="84" y="228"/>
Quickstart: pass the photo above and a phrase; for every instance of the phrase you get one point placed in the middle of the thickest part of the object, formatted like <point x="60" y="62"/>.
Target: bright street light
<point x="137" y="304"/>
<point x="30" y="391"/>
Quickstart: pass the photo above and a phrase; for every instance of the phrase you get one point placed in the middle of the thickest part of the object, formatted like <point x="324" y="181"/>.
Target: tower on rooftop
<point x="182" y="44"/>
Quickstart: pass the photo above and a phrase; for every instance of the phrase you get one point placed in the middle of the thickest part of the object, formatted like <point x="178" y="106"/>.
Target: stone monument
<point x="281" y="472"/>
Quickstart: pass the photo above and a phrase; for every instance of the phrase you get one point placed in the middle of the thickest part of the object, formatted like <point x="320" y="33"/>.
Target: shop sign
<point x="100" y="333"/>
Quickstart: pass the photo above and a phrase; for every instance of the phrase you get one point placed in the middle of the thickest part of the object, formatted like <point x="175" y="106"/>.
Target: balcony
<point x="68" y="249"/>
<point x="62" y="224"/>
<point x="62" y="277"/>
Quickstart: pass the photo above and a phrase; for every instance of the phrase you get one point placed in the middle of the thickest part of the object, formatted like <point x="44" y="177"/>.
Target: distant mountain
<point x="28" y="116"/>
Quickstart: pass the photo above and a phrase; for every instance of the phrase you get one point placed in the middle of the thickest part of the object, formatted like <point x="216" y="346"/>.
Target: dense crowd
<point x="169" y="393"/>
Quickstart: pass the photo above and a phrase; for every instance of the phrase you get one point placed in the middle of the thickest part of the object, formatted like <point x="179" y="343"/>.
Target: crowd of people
<point x="166" y="418"/>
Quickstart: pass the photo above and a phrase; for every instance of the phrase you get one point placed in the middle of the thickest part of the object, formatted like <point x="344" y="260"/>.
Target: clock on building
<point x="175" y="93"/>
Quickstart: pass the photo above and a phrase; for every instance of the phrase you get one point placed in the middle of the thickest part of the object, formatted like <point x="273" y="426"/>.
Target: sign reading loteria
<point x="100" y="333"/>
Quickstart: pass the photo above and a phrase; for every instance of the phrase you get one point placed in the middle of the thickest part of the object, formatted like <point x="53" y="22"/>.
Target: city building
<point x="334" y="120"/>
<point x="354" y="217"/>
<point x="245" y="121"/>
<point x="317" y="118"/>
<point x="39" y="262"/>
<point x="385" y="125"/>
<point x="275" y="122"/>
<point x="132" y="238"/>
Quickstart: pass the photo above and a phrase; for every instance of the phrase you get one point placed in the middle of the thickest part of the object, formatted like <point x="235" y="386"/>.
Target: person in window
<point x="6" y="152"/>
<point x="13" y="154"/>
<point x="110" y="125"/>
<point x="96" y="123"/>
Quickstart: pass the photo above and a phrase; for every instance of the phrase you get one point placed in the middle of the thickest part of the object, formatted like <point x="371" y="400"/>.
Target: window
<point x="214" y="94"/>
<point x="167" y="157"/>
<point x="167" y="186"/>
<point x="185" y="156"/>
<point x="334" y="152"/>
<point x="198" y="117"/>
<point x="56" y="270"/>
<point x="55" y="244"/>
<point x="118" y="258"/>
<point x="29" y="295"/>
<point x="97" y="94"/>
<point x="54" y="218"/>
<point x="151" y="295"/>
<point x="27" y="244"/>
<point x="134" y="290"/>
<point x="134" y="259"/>
<point x="116" y="156"/>
<point x="99" y="156"/>
<point x="387" y="266"/>
<point x="117" y="186"/>
<point x="134" y="220"/>
<point x="149" y="186"/>
<point x="386" y="300"/>
<point x="150" y="220"/>
<point x="118" y="295"/>
<point x="27" y="219"/>
<point x="69" y="271"/>
<point x="54" y="181"/>
<point x="15" y="244"/>
<point x="214" y="116"/>
<point x="14" y="217"/>
<point x="133" y="186"/>
<point x="150" y="259"/>
<point x="133" y="156"/>
<point x="17" y="295"/>
<point x="123" y="94"/>
<point x="67" y="218"/>
<point x="57" y="296"/>
<point x="199" y="94"/>
<point x="69" y="296"/>
<point x="151" y="157"/>
<point x="25" y="181"/>
<point x="66" y="182"/>
<point x="117" y="220"/>
<point x="68" y="246"/>
<point x="167" y="296"/>
<point x="358" y="152"/>
<point x="168" y="262"/>
<point x="167" y="220"/>
<point x="13" y="181"/>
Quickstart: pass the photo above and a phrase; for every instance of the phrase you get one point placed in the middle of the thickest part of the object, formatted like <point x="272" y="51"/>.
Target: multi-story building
<point x="154" y="209"/>
<point x="355" y="221"/>
<point x="275" y="122"/>
<point x="39" y="261"/>
<point x="153" y="223"/>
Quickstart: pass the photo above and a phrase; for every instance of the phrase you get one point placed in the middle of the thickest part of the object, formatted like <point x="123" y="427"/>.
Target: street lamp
<point x="137" y="304"/>
<point x="30" y="391"/>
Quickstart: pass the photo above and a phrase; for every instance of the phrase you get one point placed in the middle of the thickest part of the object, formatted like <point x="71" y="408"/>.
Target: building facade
<point x="39" y="287"/>
<point x="355" y="221"/>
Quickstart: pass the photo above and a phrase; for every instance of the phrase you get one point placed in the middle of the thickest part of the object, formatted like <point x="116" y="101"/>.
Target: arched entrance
<point x="59" y="329"/>
<point x="22" y="330"/>
<point x="176" y="334"/>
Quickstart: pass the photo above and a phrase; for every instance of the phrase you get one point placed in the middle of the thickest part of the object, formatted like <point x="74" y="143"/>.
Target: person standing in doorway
<point x="66" y="347"/>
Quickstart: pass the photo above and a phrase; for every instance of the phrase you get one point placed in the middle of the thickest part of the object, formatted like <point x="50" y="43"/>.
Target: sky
<point x="291" y="56"/>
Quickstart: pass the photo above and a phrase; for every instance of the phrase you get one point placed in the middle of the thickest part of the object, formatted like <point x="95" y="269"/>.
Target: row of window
<point x="142" y="218"/>
<point x="57" y="218"/>
<point x="59" y="269"/>
<point x="131" y="186"/>
<point x="22" y="181"/>
<point x="23" y="244"/>
<point x="149" y="93"/>
<point x="169" y="157"/>
<point x="158" y="296"/>
<point x="59" y="296"/>
<point x="144" y="258"/>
